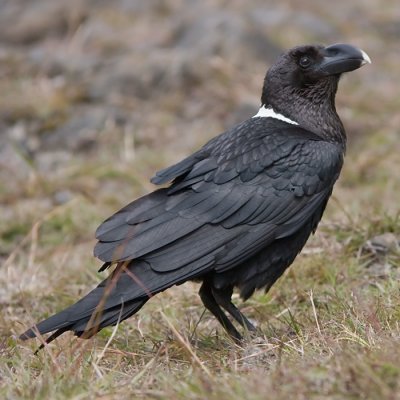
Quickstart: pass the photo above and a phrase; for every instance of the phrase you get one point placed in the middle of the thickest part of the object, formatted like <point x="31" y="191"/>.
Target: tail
<point x="115" y="299"/>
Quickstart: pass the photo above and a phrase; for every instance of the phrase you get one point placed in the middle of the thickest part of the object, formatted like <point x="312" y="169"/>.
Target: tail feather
<point x="107" y="318"/>
<point x="84" y="327"/>
<point x="52" y="337"/>
<point x="118" y="297"/>
<point x="81" y="328"/>
<point x="113" y="300"/>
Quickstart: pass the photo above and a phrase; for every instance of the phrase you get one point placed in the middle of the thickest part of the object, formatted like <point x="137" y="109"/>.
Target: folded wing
<point x="226" y="202"/>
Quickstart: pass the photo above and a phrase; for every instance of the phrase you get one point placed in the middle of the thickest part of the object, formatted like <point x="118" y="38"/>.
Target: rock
<point x="224" y="34"/>
<point x="25" y="21"/>
<point x="244" y="111"/>
<point x="79" y="132"/>
<point x="23" y="135"/>
<point x="293" y="20"/>
<point x="218" y="34"/>
<point x="57" y="62"/>
<point x="50" y="161"/>
<point x="13" y="161"/>
<point x="62" y="196"/>
<point x="379" y="270"/>
<point x="383" y="244"/>
<point x="144" y="75"/>
<point x="380" y="247"/>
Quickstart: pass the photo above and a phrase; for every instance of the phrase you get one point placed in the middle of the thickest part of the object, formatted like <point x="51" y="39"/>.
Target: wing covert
<point x="226" y="204"/>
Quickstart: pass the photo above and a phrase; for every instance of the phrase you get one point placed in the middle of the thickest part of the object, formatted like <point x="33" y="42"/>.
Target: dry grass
<point x="330" y="327"/>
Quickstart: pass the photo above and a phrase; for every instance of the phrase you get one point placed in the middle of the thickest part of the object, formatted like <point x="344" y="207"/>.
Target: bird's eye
<point x="305" y="62"/>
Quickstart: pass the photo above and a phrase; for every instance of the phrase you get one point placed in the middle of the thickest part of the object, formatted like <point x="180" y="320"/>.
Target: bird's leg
<point x="223" y="298"/>
<point x="209" y="302"/>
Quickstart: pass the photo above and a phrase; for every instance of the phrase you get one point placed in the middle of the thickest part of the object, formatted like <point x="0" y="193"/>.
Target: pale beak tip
<point x="366" y="59"/>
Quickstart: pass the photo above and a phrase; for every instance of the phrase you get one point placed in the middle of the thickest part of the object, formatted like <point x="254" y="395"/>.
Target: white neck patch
<point x="270" y="113"/>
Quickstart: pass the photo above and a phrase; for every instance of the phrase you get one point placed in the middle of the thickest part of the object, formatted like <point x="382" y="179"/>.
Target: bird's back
<point x="259" y="183"/>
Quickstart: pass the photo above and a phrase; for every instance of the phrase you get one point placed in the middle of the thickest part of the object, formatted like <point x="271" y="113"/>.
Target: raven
<point x="237" y="212"/>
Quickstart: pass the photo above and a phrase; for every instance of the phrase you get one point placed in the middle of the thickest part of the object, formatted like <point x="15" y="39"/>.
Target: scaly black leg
<point x="223" y="299"/>
<point x="209" y="302"/>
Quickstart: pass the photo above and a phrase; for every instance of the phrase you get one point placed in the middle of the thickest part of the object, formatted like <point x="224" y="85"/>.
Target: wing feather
<point x="227" y="201"/>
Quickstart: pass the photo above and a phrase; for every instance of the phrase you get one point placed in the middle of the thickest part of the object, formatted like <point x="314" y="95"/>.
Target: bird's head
<point x="302" y="83"/>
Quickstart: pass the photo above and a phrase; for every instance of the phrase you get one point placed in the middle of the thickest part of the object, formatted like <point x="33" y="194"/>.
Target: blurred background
<point x="95" y="96"/>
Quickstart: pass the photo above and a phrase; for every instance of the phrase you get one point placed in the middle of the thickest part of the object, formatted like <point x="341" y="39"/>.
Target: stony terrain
<point x="98" y="95"/>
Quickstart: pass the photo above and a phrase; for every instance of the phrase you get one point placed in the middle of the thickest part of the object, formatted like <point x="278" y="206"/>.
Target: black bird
<point x="237" y="211"/>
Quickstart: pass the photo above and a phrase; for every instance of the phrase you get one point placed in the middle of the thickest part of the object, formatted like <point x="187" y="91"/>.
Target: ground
<point x="94" y="99"/>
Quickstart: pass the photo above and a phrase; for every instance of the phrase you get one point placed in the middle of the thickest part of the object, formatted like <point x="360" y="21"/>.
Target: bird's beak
<point x="340" y="58"/>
